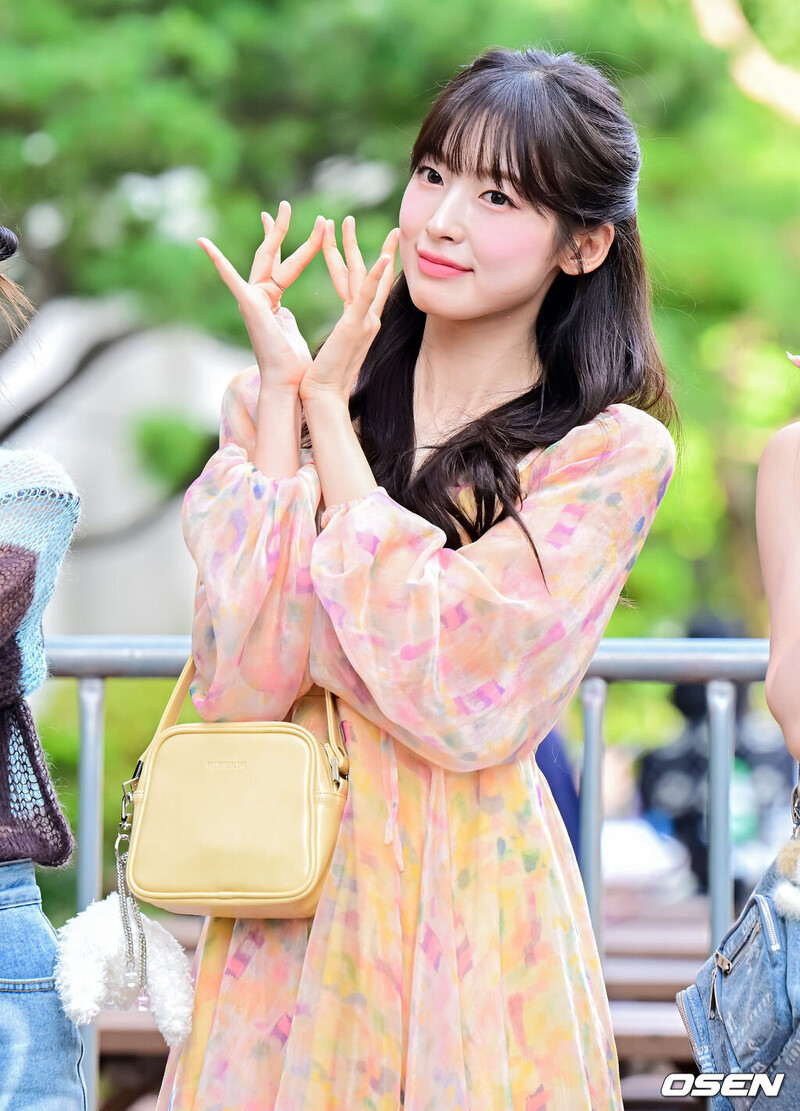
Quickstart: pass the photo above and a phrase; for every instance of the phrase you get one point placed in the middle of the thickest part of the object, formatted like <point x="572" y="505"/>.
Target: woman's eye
<point x="427" y="173"/>
<point x="497" y="198"/>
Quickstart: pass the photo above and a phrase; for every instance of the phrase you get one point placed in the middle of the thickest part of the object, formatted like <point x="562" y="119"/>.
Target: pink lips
<point x="437" y="267"/>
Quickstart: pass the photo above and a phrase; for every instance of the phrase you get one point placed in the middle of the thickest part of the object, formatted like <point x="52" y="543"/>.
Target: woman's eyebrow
<point x="502" y="181"/>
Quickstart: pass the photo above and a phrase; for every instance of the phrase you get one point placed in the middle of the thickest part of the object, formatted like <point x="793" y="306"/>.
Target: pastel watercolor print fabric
<point x="451" y="963"/>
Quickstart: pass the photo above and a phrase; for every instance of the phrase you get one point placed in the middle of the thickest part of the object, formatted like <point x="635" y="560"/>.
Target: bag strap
<point x="178" y="697"/>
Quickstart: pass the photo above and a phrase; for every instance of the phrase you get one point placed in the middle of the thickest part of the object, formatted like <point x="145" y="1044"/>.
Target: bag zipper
<point x="725" y="964"/>
<point x="682" y="1011"/>
<point x="771" y="931"/>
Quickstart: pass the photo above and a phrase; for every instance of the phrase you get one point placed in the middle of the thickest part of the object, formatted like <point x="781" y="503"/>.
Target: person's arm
<point x="279" y="414"/>
<point x="278" y="422"/>
<point x="250" y="535"/>
<point x="467" y="652"/>
<point x="778" y="526"/>
<point x="249" y="520"/>
<point x="343" y="470"/>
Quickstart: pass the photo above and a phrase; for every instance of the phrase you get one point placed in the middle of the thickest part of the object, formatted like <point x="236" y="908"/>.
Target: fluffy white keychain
<point x="786" y="895"/>
<point x="96" y="968"/>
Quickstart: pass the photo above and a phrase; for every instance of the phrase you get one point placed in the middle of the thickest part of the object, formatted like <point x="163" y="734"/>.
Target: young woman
<point x="778" y="525"/>
<point x="484" y="492"/>
<point x="40" y="1049"/>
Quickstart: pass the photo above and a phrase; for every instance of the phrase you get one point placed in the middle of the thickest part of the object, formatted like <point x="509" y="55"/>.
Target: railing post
<point x="90" y="839"/>
<point x="593" y="701"/>
<point x="721" y="697"/>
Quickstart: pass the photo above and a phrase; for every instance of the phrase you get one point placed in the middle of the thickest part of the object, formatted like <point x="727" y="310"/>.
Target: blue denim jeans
<point x="742" y="1014"/>
<point x="40" y="1048"/>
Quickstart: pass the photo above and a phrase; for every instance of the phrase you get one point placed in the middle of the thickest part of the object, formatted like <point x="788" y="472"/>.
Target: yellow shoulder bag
<point x="235" y="819"/>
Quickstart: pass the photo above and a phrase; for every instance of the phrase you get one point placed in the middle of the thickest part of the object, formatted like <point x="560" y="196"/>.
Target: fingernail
<point x="794" y="358"/>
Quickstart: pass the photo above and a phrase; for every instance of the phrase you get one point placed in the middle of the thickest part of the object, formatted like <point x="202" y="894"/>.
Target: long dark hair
<point x="554" y="126"/>
<point x="14" y="305"/>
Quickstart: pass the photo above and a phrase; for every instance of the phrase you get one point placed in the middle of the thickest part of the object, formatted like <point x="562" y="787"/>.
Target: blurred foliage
<point x="172" y="449"/>
<point x="130" y="127"/>
<point x="777" y="24"/>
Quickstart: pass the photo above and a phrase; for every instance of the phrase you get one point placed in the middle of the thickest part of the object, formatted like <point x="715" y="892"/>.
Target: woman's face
<point x="469" y="249"/>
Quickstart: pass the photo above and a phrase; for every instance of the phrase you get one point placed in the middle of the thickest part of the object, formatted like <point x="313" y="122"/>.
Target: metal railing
<point x="718" y="663"/>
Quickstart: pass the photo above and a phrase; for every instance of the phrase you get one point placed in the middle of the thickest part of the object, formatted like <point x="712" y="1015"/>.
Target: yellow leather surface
<point x="234" y="819"/>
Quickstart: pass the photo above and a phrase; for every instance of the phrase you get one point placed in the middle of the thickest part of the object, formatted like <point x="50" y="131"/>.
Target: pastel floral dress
<point x="451" y="963"/>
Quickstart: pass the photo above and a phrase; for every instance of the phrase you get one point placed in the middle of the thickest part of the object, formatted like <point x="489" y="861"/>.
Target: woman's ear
<point x="590" y="249"/>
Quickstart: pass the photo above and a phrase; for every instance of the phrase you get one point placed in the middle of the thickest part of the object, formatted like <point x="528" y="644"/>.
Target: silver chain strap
<point x="128" y="907"/>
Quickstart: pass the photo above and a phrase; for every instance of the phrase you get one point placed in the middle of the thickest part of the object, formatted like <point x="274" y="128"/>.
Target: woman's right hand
<point x="281" y="352"/>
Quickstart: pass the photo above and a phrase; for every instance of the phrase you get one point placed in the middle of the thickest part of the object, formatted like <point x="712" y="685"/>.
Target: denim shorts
<point x="40" y="1048"/>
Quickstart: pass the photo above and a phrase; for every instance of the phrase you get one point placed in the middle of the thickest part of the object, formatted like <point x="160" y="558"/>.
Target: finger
<point x="226" y="270"/>
<point x="265" y="253"/>
<point x="264" y="263"/>
<point x="356" y="269"/>
<point x="387" y="278"/>
<point x="369" y="287"/>
<point x="282" y="222"/>
<point x="268" y="255"/>
<point x="381" y="276"/>
<point x="334" y="261"/>
<point x="268" y="250"/>
<point x="285" y="211"/>
<point x="390" y="242"/>
<point x="294" y="265"/>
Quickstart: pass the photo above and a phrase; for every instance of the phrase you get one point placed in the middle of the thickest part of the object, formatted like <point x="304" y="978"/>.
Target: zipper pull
<point x="712" y="1003"/>
<point x="722" y="962"/>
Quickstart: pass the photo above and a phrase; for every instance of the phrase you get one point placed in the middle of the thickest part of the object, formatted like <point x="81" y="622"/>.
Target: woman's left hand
<point x="336" y="366"/>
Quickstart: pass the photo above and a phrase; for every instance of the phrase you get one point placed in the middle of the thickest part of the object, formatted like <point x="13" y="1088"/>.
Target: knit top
<point x="39" y="508"/>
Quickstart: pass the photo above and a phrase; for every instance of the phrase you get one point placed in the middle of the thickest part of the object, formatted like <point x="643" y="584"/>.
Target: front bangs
<point x="489" y="133"/>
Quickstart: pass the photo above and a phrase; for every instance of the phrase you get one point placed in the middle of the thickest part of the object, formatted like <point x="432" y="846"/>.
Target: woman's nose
<point x="447" y="219"/>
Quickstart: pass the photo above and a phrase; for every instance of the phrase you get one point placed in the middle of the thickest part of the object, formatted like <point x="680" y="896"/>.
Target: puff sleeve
<point x="251" y="538"/>
<point x="468" y="652"/>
